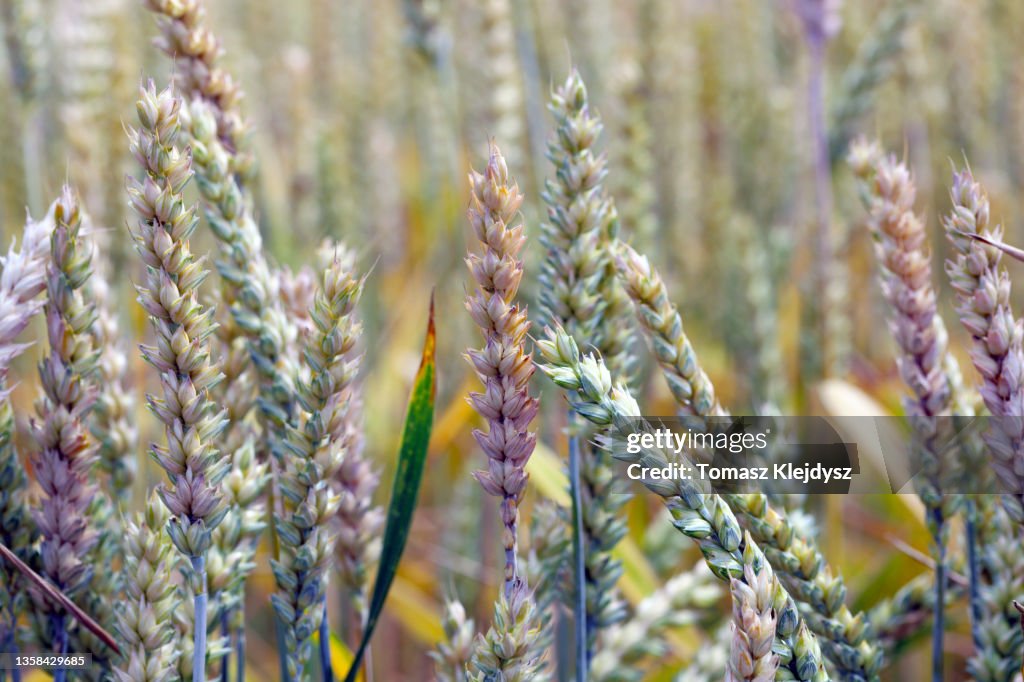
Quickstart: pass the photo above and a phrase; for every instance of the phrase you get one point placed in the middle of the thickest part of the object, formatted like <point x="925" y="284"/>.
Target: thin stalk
<point x="225" y="628"/>
<point x="530" y="63"/>
<point x="511" y="568"/>
<point x="282" y="653"/>
<point x="326" y="670"/>
<point x="974" y="577"/>
<point x="939" y="627"/>
<point x="822" y="167"/>
<point x="240" y="655"/>
<point x="822" y="196"/>
<point x="199" y="652"/>
<point x="347" y="618"/>
<point x="61" y="674"/>
<point x="579" y="570"/>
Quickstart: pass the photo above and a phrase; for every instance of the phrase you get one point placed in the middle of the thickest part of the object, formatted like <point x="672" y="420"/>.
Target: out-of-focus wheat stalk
<point x="64" y="449"/>
<point x="26" y="38"/>
<point x="712" y="663"/>
<point x="504" y="78"/>
<point x="761" y="294"/>
<point x="633" y="187"/>
<point x="452" y="657"/>
<point x="113" y="423"/>
<point x="821" y="21"/>
<point x="1001" y="642"/>
<point x="875" y="59"/>
<point x="625" y="646"/>
<point x="547" y="572"/>
<point x="86" y="62"/>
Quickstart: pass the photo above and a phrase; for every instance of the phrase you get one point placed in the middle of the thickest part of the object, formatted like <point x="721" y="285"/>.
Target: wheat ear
<point x="181" y="356"/>
<point x="503" y="364"/>
<point x="697" y="513"/>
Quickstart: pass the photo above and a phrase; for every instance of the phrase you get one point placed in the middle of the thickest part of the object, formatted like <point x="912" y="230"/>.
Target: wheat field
<point x="332" y="333"/>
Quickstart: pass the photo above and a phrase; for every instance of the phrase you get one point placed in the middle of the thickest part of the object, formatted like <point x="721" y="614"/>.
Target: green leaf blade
<point x="412" y="456"/>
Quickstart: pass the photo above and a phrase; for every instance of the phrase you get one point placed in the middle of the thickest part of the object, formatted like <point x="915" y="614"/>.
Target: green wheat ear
<point x="182" y="355"/>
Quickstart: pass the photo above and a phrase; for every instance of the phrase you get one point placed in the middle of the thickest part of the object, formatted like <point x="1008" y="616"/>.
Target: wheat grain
<point x="196" y="52"/>
<point x="797" y="561"/>
<point x="694" y="392"/>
